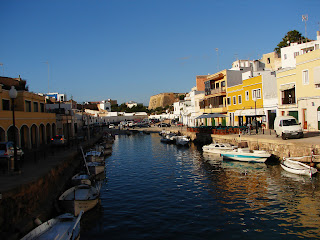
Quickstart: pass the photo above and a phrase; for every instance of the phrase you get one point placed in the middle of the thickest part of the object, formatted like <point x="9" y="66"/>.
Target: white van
<point x="287" y="127"/>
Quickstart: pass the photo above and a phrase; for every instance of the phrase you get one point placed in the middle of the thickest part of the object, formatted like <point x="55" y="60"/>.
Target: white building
<point x="131" y="104"/>
<point x="289" y="54"/>
<point x="58" y="96"/>
<point x="188" y="109"/>
<point x="105" y="106"/>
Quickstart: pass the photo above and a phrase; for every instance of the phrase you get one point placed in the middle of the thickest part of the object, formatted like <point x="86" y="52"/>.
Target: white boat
<point x="293" y="165"/>
<point x="63" y="227"/>
<point x="218" y="148"/>
<point x="95" y="168"/>
<point x="182" y="140"/>
<point x="246" y="155"/>
<point x="79" y="179"/>
<point x="94" y="156"/>
<point x="79" y="198"/>
<point x="168" y="138"/>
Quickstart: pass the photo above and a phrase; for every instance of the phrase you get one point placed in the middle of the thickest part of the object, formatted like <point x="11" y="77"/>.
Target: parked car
<point x="7" y="151"/>
<point x="111" y="125"/>
<point x="164" y="125"/>
<point x="287" y="127"/>
<point x="58" y="140"/>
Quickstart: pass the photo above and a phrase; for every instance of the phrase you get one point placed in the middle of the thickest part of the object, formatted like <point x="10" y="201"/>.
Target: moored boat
<point x="81" y="178"/>
<point x="182" y="140"/>
<point x="293" y="165"/>
<point x="218" y="148"/>
<point x="246" y="155"/>
<point x="63" y="227"/>
<point x="79" y="198"/>
<point x="95" y="168"/>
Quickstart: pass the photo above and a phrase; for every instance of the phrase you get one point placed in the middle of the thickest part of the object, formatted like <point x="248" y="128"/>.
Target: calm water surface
<point x="159" y="191"/>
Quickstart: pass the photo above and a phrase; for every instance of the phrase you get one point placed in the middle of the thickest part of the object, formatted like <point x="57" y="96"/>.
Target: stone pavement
<point x="38" y="163"/>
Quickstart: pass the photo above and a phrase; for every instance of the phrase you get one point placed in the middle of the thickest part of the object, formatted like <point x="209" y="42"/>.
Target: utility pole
<point x="48" y="75"/>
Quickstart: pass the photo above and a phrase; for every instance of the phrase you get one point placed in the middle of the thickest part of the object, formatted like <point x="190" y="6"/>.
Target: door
<point x="318" y="118"/>
<point x="304" y="118"/>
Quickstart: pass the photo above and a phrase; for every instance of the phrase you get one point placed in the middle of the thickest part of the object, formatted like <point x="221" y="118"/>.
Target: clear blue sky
<point x="131" y="50"/>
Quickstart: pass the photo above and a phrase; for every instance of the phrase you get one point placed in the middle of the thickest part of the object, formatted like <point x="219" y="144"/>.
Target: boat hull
<point x="64" y="227"/>
<point x="244" y="158"/>
<point x="298" y="167"/>
<point x="79" y="198"/>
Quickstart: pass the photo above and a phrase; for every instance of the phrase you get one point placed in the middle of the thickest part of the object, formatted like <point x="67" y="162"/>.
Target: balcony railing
<point x="290" y="100"/>
<point x="218" y="90"/>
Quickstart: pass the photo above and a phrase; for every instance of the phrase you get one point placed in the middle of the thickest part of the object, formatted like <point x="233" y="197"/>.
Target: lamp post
<point x="13" y="95"/>
<point x="255" y="112"/>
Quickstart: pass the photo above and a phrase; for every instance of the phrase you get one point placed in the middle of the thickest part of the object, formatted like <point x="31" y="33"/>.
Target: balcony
<point x="221" y="90"/>
<point x="288" y="100"/>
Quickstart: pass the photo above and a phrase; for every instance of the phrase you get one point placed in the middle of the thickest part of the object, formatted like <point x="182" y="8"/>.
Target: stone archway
<point x="54" y="129"/>
<point x="2" y="135"/>
<point x="48" y="132"/>
<point x="34" y="136"/>
<point x="11" y="133"/>
<point x="42" y="134"/>
<point x="25" y="137"/>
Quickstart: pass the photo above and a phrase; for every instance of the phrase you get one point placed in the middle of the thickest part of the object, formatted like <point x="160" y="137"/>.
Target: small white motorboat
<point x="79" y="198"/>
<point x="182" y="140"/>
<point x="94" y="156"/>
<point x="63" y="227"/>
<point x="246" y="155"/>
<point x="95" y="168"/>
<point x="218" y="148"/>
<point x="80" y="178"/>
<point x="293" y="165"/>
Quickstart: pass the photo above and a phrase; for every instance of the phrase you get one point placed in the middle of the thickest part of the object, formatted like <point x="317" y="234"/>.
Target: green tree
<point x="290" y="37"/>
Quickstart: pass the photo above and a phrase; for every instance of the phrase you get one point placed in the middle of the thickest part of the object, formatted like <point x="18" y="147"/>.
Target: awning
<point x="211" y="115"/>
<point x="250" y="112"/>
<point x="287" y="86"/>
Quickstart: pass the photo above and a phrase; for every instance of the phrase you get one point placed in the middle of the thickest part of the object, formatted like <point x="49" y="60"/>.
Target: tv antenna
<point x="218" y="67"/>
<point x="305" y="19"/>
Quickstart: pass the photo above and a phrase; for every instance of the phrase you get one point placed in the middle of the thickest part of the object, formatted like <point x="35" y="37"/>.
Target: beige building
<point x="299" y="90"/>
<point x="34" y="126"/>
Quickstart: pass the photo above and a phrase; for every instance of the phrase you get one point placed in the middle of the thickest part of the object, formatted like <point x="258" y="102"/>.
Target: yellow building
<point x="299" y="90"/>
<point x="245" y="102"/>
<point x="33" y="125"/>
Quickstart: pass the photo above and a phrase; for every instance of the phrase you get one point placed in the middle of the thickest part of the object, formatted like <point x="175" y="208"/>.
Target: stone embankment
<point x="277" y="146"/>
<point x="32" y="194"/>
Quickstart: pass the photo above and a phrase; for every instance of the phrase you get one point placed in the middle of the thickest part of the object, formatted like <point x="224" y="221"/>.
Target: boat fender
<point x="37" y="221"/>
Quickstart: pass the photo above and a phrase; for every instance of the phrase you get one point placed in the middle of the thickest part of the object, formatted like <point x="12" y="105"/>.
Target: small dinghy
<point x="292" y="165"/>
<point x="246" y="155"/>
<point x="218" y="148"/>
<point x="63" y="227"/>
<point x="79" y="198"/>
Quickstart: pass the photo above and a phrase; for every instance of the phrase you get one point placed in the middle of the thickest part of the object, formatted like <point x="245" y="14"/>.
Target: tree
<point x="290" y="37"/>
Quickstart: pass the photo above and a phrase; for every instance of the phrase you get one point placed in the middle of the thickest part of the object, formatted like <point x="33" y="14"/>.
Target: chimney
<point x="318" y="35"/>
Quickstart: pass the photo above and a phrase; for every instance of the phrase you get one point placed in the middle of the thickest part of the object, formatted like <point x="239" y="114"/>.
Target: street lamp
<point x="13" y="95"/>
<point x="255" y="112"/>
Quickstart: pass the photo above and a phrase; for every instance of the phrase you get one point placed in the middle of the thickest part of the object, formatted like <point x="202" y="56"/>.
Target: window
<point x="239" y="99"/>
<point x="228" y="101"/>
<point x="41" y="107"/>
<point x="268" y="60"/>
<point x="247" y="95"/>
<point x="217" y="85"/>
<point x="256" y="93"/>
<point x="5" y="104"/>
<point x="35" y="107"/>
<point x="223" y="84"/>
<point x="234" y="100"/>
<point x="316" y="46"/>
<point x="285" y="56"/>
<point x="305" y="77"/>
<point x="28" y="106"/>
<point x="295" y="54"/>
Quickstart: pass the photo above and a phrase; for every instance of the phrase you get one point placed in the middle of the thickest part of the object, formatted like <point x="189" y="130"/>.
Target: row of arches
<point x="29" y="137"/>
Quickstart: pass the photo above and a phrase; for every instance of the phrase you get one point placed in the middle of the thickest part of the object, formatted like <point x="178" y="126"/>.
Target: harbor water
<point x="154" y="190"/>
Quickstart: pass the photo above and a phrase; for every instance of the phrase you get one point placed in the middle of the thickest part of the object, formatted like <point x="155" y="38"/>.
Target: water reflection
<point x="159" y="191"/>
